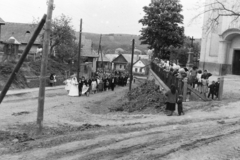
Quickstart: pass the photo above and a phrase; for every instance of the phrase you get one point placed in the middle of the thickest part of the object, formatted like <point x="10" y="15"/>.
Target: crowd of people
<point x="94" y="85"/>
<point x="197" y="78"/>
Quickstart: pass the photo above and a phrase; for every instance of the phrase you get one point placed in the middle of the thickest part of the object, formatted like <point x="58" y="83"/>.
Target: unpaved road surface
<point x="82" y="128"/>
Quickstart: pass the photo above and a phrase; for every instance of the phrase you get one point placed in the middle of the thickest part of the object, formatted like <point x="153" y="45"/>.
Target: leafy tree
<point x="162" y="26"/>
<point x="62" y="34"/>
<point x="216" y="10"/>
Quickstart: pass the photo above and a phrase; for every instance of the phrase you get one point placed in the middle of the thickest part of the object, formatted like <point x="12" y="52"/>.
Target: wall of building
<point x="120" y="66"/>
<point x="138" y="70"/>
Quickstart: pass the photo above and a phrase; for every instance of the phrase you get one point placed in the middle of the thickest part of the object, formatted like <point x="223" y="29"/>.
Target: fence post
<point x="185" y="89"/>
<point x="220" y="90"/>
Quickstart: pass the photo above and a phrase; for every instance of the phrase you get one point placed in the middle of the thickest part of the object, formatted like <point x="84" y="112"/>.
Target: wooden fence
<point x="182" y="85"/>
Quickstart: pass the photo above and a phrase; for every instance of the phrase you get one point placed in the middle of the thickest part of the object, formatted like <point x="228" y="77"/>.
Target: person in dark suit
<point x="112" y="82"/>
<point x="80" y="84"/>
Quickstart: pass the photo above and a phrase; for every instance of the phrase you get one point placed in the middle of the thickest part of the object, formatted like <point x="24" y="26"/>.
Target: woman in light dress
<point x="204" y="86"/>
<point x="94" y="85"/>
<point x="67" y="83"/>
<point x="85" y="87"/>
<point x="74" y="87"/>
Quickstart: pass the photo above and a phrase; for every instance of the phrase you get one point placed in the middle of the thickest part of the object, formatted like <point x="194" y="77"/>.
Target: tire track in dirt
<point x="154" y="140"/>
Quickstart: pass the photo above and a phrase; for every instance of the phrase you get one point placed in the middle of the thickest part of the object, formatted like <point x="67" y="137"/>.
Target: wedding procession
<point x="84" y="86"/>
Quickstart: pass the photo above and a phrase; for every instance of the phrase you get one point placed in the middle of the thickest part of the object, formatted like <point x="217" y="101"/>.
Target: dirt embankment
<point x="29" y="69"/>
<point x="146" y="96"/>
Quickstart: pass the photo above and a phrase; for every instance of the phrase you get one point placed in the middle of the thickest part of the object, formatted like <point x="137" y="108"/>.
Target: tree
<point x="162" y="26"/>
<point x="217" y="9"/>
<point x="63" y="33"/>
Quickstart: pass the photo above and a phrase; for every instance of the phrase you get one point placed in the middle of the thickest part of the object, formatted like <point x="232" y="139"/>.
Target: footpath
<point x="29" y="90"/>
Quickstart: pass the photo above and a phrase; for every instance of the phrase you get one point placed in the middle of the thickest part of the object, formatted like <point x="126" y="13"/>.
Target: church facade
<point x="220" y="48"/>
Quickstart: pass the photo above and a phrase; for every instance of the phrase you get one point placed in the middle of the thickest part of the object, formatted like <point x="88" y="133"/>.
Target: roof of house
<point x="105" y="59"/>
<point x="144" y="61"/>
<point x="111" y="56"/>
<point x="22" y="32"/>
<point x="128" y="57"/>
<point x="1" y="21"/>
<point x="120" y="59"/>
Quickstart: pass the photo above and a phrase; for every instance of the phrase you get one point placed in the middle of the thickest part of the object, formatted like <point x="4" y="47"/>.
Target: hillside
<point x="110" y="42"/>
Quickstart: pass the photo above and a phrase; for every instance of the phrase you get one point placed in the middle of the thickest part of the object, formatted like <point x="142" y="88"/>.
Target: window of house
<point x="141" y="70"/>
<point x="136" y="69"/>
<point x="120" y="66"/>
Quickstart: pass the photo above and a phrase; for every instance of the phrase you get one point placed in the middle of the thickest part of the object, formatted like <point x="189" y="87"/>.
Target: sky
<point x="99" y="16"/>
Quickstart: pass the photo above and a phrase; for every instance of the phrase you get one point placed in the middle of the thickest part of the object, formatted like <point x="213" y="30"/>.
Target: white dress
<point x="84" y="89"/>
<point x="94" y="85"/>
<point x="74" y="87"/>
<point x="67" y="83"/>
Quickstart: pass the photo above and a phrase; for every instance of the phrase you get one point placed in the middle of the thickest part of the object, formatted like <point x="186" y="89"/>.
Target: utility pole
<point x="79" y="49"/>
<point x="131" y="65"/>
<point x="44" y="62"/>
<point x="99" y="45"/>
<point x="102" y="59"/>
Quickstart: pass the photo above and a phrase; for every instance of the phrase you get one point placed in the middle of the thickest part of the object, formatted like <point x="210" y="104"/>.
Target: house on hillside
<point x="22" y="32"/>
<point x="88" y="53"/>
<point x="140" y="67"/>
<point x="119" y="63"/>
<point x="105" y="60"/>
<point x="123" y="58"/>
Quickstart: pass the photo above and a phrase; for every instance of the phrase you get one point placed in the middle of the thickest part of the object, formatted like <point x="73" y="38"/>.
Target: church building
<point x="220" y="48"/>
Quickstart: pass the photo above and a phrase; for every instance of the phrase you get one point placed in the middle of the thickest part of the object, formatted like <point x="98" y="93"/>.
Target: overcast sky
<point x="99" y="16"/>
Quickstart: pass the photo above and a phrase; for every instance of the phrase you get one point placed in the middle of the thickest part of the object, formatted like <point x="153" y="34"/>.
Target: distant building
<point x="119" y="63"/>
<point x="105" y="60"/>
<point x="140" y="67"/>
<point x="21" y="33"/>
<point x="88" y="52"/>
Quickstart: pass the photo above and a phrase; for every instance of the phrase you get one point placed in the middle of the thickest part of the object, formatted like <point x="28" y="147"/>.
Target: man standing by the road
<point x="112" y="82"/>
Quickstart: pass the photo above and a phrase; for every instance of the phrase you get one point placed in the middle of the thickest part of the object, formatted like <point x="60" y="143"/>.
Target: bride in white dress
<point x="74" y="87"/>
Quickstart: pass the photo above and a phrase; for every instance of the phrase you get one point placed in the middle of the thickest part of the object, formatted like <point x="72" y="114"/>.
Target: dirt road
<point x="83" y="128"/>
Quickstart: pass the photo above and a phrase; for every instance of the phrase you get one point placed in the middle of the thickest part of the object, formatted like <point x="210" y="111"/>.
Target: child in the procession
<point x="54" y="80"/>
<point x="51" y="79"/>
<point x="180" y="106"/>
<point x="212" y="90"/>
<point x="67" y="83"/>
<point x="217" y="87"/>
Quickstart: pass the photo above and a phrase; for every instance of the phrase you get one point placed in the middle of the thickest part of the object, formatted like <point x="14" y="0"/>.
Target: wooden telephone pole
<point x="44" y="62"/>
<point x="79" y="50"/>
<point x="131" y="65"/>
<point x="100" y="48"/>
